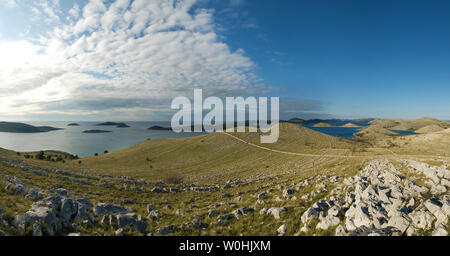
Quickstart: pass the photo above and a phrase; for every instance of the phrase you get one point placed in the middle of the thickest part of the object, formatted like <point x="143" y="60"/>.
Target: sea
<point x="71" y="139"/>
<point x="344" y="132"/>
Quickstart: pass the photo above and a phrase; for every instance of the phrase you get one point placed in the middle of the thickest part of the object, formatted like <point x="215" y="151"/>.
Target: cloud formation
<point x="103" y="58"/>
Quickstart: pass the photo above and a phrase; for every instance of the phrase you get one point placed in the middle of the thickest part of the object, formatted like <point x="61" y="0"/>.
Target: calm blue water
<point x="344" y="132"/>
<point x="73" y="141"/>
<point x="404" y="132"/>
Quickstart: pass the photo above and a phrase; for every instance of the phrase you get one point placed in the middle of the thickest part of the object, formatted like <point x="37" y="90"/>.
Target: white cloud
<point x="75" y="11"/>
<point x="9" y="3"/>
<point x="139" y="54"/>
<point x="49" y="8"/>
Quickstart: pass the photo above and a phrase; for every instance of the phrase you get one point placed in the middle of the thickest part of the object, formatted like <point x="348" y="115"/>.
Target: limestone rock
<point x="276" y="211"/>
<point x="155" y="214"/>
<point x="440" y="231"/>
<point x="103" y="209"/>
<point x="422" y="219"/>
<point x="281" y="230"/>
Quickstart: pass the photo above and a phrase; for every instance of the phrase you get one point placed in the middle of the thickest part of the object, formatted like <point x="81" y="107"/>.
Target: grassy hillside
<point x="435" y="143"/>
<point x="430" y="129"/>
<point x="215" y="153"/>
<point x="410" y="125"/>
<point x="221" y="183"/>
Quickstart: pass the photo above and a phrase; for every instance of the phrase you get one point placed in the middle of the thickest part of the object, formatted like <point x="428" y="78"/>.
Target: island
<point x="73" y="124"/>
<point x="297" y="121"/>
<point x="323" y="125"/>
<point x="316" y="121"/>
<point x="350" y="125"/>
<point x="122" y="125"/>
<point x="96" y="131"/>
<point x="160" y="128"/>
<point x="118" y="125"/>
<point x="25" y="128"/>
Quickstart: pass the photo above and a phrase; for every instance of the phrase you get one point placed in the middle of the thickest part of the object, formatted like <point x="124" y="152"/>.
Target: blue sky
<point x="362" y="58"/>
<point x="345" y="59"/>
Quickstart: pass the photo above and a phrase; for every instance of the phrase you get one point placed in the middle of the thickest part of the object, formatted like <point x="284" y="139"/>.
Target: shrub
<point x="40" y="155"/>
<point x="175" y="178"/>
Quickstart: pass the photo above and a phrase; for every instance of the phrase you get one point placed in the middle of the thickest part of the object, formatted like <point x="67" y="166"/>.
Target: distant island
<point x="323" y="125"/>
<point x="73" y="124"/>
<point x="160" y="128"/>
<point x="25" y="128"/>
<point x="96" y="131"/>
<point x="118" y="125"/>
<point x="350" y="125"/>
<point x="296" y="120"/>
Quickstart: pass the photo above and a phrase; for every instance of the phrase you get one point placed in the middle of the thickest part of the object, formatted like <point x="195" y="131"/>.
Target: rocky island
<point x="24" y="128"/>
<point x="118" y="125"/>
<point x="96" y="131"/>
<point x="160" y="128"/>
<point x="323" y="125"/>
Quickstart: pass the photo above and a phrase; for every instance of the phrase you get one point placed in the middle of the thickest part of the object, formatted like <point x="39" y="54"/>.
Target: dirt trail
<point x="393" y="155"/>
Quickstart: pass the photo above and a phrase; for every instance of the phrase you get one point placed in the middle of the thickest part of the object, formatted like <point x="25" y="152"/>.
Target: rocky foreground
<point x="380" y="200"/>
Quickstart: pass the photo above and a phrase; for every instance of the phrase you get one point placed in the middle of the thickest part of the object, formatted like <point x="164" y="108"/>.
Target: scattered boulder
<point x="119" y="232"/>
<point x="157" y="190"/>
<point x="281" y="230"/>
<point x="314" y="211"/>
<point x="16" y="189"/>
<point x="103" y="209"/>
<point x="261" y="196"/>
<point x="45" y="215"/>
<point x="166" y="230"/>
<point x="155" y="214"/>
<point x="287" y="192"/>
<point x="37" y="229"/>
<point x="69" y="209"/>
<point x="239" y="212"/>
<point x="34" y="195"/>
<point x="150" y="208"/>
<point x="212" y="213"/>
<point x="130" y="219"/>
<point x="238" y="199"/>
<point x="276" y="211"/>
